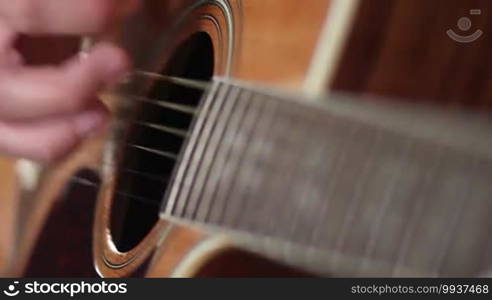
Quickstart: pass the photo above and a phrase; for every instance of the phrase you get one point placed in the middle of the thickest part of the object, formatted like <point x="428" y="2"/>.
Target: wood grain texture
<point x="8" y="210"/>
<point x="399" y="48"/>
<point x="278" y="39"/>
<point x="176" y="245"/>
<point x="186" y="251"/>
<point x="63" y="247"/>
<point x="274" y="40"/>
<point x="237" y="263"/>
<point x="41" y="202"/>
<point x="108" y="261"/>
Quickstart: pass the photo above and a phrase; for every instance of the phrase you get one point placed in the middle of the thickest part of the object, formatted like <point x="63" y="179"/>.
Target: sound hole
<point x="144" y="175"/>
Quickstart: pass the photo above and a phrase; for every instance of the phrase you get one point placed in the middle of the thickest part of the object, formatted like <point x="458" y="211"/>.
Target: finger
<point x="31" y="93"/>
<point x="64" y="17"/>
<point x="9" y="57"/>
<point x="50" y="139"/>
<point x="7" y="36"/>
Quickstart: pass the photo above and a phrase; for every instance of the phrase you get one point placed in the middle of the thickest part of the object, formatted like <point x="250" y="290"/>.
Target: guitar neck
<point x="365" y="182"/>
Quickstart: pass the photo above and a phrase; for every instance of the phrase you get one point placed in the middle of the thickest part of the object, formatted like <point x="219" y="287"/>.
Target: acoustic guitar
<point x="274" y="138"/>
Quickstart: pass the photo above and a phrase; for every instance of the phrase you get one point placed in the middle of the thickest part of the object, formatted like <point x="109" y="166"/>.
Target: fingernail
<point x="87" y="122"/>
<point x="110" y="57"/>
<point x="117" y="66"/>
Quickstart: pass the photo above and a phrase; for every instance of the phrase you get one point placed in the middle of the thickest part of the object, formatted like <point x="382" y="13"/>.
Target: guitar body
<point x="252" y="41"/>
<point x="58" y="227"/>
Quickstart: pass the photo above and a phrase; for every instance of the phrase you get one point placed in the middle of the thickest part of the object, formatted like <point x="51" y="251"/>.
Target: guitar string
<point x="140" y="173"/>
<point x="202" y="145"/>
<point x="209" y="201"/>
<point x="166" y="129"/>
<point x="196" y="84"/>
<point x="128" y="98"/>
<point x="175" y="193"/>
<point x="76" y="180"/>
<point x="87" y="43"/>
<point x="223" y="110"/>
<point x="159" y="127"/>
<point x="191" y="83"/>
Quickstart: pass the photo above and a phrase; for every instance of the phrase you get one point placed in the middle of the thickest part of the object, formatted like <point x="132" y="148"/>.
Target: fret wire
<point x="290" y="176"/>
<point x="213" y="199"/>
<point x="469" y="196"/>
<point x="261" y="133"/>
<point x="341" y="153"/>
<point x="234" y="203"/>
<point x="209" y="125"/>
<point x="280" y="186"/>
<point x="251" y="120"/>
<point x="443" y="252"/>
<point x="173" y="205"/>
<point x="266" y="114"/>
<point x="216" y="166"/>
<point x="208" y="153"/>
<point x="485" y="260"/>
<point x="226" y="157"/>
<point x="210" y="131"/>
<point x="220" y="195"/>
<point x="313" y="176"/>
<point x="386" y="202"/>
<point x="328" y="153"/>
<point x="356" y="196"/>
<point x="415" y="215"/>
<point x="439" y="203"/>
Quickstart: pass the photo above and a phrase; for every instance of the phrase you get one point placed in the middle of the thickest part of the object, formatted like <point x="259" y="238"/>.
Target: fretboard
<point x="378" y="189"/>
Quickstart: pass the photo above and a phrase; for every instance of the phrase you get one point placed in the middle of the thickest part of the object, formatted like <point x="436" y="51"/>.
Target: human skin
<point x="45" y="111"/>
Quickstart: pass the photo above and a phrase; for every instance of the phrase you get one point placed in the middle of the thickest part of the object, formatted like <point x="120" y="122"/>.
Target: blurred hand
<point x="46" y="111"/>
